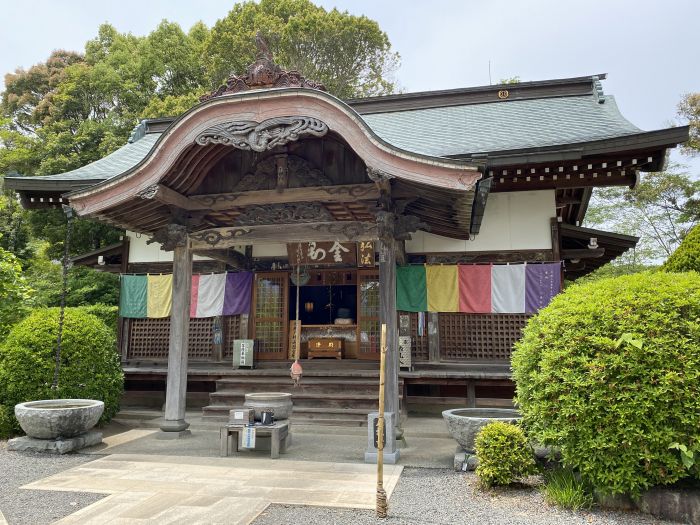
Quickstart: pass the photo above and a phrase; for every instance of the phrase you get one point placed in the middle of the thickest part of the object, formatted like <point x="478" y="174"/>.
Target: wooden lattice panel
<point x="150" y="338"/>
<point x="419" y="344"/>
<point x="479" y="336"/>
<point x="271" y="315"/>
<point x="232" y="331"/>
<point x="368" y="312"/>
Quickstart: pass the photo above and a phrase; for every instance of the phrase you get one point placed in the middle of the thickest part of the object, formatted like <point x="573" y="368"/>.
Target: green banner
<point x="132" y="297"/>
<point x="411" y="289"/>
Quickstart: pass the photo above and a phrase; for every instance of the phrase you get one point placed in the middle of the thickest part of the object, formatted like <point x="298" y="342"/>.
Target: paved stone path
<point x="177" y="489"/>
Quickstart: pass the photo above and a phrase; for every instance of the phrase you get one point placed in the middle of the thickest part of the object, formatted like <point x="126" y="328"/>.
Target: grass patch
<point x="563" y="488"/>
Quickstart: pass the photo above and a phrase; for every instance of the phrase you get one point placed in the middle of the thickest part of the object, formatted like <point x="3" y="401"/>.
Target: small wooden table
<point x="280" y="437"/>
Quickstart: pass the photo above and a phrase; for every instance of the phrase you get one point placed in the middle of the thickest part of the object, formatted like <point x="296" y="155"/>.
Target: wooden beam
<point x="228" y="256"/>
<point x="583" y="253"/>
<point x="227" y="237"/>
<point x="341" y="193"/>
<point x="165" y="195"/>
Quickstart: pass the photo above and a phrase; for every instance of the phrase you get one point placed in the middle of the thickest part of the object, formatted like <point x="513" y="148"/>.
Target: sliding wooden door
<point x="271" y="315"/>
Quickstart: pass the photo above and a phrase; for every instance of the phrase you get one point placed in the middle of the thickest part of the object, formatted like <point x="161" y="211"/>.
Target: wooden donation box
<point x="325" y="347"/>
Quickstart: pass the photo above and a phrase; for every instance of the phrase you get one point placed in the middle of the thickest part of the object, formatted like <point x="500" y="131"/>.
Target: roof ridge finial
<point x="263" y="74"/>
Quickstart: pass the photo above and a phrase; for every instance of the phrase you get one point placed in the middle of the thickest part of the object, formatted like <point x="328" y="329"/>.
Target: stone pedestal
<point x="55" y="446"/>
<point x="465" y="461"/>
<point x="391" y="452"/>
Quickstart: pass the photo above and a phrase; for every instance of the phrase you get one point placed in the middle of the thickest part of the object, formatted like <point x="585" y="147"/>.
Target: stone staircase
<point x="327" y="395"/>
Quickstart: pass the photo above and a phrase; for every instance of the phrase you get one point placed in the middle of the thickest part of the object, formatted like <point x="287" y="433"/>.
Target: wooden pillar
<point x="175" y="424"/>
<point x="387" y="314"/>
<point x="433" y="337"/>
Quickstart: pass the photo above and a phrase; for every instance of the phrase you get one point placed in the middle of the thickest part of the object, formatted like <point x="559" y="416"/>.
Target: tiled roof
<point x="498" y="126"/>
<point x="451" y="130"/>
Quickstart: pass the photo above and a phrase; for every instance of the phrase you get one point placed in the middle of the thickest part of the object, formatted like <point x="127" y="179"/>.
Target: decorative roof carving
<point x="300" y="173"/>
<point x="170" y="237"/>
<point x="283" y="214"/>
<point x="263" y="74"/>
<point x="262" y="136"/>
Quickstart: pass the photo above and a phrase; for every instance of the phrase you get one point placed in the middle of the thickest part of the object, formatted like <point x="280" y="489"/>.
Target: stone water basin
<point x="279" y="402"/>
<point x="465" y="423"/>
<point x="58" y="418"/>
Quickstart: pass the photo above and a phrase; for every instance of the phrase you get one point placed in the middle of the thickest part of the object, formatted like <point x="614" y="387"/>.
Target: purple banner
<point x="238" y="292"/>
<point x="542" y="283"/>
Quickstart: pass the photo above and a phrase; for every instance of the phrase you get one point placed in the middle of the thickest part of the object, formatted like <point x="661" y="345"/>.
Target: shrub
<point x="107" y="313"/>
<point x="687" y="256"/>
<point x="6" y="422"/>
<point x="609" y="373"/>
<point x="89" y="368"/>
<point x="565" y="489"/>
<point x="504" y="454"/>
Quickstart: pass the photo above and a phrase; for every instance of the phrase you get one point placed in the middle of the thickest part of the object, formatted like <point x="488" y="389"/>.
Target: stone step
<point x="302" y="415"/>
<point x="301" y="399"/>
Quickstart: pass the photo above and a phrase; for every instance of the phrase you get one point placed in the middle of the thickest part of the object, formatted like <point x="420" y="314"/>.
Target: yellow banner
<point x="160" y="295"/>
<point x="443" y="289"/>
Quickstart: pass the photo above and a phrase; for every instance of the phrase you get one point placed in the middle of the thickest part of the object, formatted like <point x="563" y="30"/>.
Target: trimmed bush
<point x="504" y="454"/>
<point x="108" y="314"/>
<point x="6" y="422"/>
<point x="686" y="258"/>
<point x="609" y="373"/>
<point x="89" y="369"/>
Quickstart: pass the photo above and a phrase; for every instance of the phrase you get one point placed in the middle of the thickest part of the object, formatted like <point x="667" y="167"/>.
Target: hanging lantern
<point x="309" y="306"/>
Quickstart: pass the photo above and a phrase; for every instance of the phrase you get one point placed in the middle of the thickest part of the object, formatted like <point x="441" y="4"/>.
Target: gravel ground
<point x="36" y="507"/>
<point x="439" y="496"/>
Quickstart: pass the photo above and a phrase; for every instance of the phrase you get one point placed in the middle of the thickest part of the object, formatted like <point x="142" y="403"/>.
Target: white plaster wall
<point x="140" y="252"/>
<point x="512" y="221"/>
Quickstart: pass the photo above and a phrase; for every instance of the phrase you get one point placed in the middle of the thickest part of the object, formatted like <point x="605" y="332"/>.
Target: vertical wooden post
<point x="175" y="424"/>
<point x="387" y="315"/>
<point x="433" y="319"/>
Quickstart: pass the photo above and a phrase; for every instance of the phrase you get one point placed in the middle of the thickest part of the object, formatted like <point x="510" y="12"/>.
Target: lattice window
<point x="479" y="336"/>
<point x="368" y="312"/>
<point x="148" y="338"/>
<point x="232" y="331"/>
<point x="419" y="344"/>
<point x="271" y="315"/>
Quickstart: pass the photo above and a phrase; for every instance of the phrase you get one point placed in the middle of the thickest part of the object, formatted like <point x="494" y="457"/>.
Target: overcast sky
<point x="648" y="48"/>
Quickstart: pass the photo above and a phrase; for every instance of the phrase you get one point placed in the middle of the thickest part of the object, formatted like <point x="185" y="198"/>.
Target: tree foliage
<point x="689" y="110"/>
<point x="661" y="209"/>
<point x="686" y="258"/>
<point x="609" y="373"/>
<point x="14" y="291"/>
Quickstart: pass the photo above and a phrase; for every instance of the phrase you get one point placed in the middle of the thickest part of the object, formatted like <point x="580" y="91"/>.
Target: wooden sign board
<point x="323" y="253"/>
<point x="365" y="254"/>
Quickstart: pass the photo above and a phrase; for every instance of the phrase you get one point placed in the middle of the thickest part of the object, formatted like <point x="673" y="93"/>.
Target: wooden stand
<point x="326" y="347"/>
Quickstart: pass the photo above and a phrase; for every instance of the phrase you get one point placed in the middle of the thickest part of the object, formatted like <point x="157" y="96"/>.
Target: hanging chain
<point x="64" y="292"/>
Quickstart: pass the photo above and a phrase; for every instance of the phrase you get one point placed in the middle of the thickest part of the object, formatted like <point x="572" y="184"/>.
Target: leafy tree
<point x="14" y="291"/>
<point x="350" y="54"/>
<point x="689" y="109"/>
<point x="661" y="209"/>
<point x="687" y="256"/>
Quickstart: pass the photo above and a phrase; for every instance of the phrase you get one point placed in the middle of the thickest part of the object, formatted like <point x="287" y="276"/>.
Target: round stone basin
<point x="464" y="423"/>
<point x="54" y="418"/>
<point x="279" y="402"/>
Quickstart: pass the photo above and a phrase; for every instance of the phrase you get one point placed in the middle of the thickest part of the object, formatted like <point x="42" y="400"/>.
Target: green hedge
<point x="610" y="373"/>
<point x="90" y="365"/>
<point x="687" y="256"/>
<point x="108" y="314"/>
<point x="504" y="454"/>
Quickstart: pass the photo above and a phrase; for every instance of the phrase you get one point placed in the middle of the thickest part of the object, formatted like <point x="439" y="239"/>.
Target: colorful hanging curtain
<point x="515" y="288"/>
<point x="475" y="289"/>
<point x="207" y="297"/>
<point x="542" y="283"/>
<point x="411" y="289"/>
<point x="443" y="288"/>
<point x="239" y="290"/>
<point x="159" y="295"/>
<point x="132" y="296"/>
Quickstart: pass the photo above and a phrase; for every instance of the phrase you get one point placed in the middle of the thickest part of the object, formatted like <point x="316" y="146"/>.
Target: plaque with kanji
<point x="323" y="253"/>
<point x="365" y="254"/>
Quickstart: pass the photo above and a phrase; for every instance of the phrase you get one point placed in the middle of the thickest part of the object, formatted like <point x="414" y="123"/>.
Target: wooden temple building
<point x="271" y="173"/>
